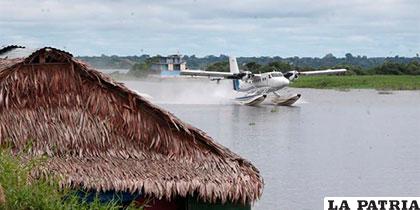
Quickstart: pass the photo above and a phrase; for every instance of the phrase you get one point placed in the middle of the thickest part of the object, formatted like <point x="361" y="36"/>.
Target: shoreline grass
<point x="20" y="191"/>
<point x="379" y="82"/>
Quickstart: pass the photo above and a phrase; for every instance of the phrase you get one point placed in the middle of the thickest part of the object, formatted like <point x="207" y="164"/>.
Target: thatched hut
<point x="99" y="135"/>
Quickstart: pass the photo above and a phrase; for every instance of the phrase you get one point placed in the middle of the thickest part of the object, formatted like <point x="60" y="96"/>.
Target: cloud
<point x="240" y="27"/>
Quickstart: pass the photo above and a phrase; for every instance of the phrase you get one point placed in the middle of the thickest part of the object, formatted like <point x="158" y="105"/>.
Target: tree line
<point x="359" y="65"/>
<point x="386" y="68"/>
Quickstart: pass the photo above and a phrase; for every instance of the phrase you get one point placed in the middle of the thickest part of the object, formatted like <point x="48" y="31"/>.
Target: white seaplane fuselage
<point x="269" y="82"/>
<point x="257" y="86"/>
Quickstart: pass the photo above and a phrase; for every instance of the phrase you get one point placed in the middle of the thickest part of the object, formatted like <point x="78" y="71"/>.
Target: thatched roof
<point x="98" y="134"/>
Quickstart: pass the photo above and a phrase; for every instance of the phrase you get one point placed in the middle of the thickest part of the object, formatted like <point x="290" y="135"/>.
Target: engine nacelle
<point x="291" y="75"/>
<point x="247" y="75"/>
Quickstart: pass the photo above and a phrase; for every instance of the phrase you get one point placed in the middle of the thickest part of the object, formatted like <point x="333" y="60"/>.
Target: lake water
<point x="331" y="143"/>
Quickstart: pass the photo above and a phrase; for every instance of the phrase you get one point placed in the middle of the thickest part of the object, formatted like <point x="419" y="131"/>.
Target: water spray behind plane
<point x="258" y="86"/>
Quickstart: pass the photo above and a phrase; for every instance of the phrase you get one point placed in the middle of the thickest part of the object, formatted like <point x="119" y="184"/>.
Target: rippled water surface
<point x="332" y="143"/>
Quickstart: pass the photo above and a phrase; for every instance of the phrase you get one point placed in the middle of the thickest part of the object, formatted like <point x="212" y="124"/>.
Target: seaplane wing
<point x="214" y="74"/>
<point x="326" y="71"/>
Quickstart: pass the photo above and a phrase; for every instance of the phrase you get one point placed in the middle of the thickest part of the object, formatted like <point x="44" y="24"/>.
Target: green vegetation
<point x="194" y="62"/>
<point x="253" y="67"/>
<point x="371" y="71"/>
<point x="142" y="69"/>
<point x="387" y="76"/>
<point x="412" y="68"/>
<point x="113" y="62"/>
<point x="387" y="68"/>
<point x="379" y="82"/>
<point x="23" y="192"/>
<point x="272" y="66"/>
<point x="219" y="66"/>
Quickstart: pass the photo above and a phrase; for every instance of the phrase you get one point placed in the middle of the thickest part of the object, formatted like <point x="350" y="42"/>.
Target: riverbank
<point x="379" y="82"/>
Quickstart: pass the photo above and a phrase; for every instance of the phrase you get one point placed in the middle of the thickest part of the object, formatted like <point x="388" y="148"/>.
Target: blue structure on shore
<point x="169" y="66"/>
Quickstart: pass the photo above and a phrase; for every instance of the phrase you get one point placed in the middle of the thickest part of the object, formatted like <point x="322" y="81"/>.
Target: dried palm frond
<point x="100" y="135"/>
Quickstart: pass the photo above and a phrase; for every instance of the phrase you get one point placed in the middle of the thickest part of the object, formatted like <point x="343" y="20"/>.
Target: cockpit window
<point x="276" y="74"/>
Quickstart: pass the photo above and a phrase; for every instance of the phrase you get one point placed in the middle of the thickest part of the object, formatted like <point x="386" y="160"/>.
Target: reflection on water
<point x="354" y="143"/>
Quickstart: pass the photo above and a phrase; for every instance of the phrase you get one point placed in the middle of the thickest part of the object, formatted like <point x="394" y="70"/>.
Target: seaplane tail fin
<point x="233" y="66"/>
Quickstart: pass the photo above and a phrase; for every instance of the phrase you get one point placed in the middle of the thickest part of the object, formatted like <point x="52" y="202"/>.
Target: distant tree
<point x="352" y="69"/>
<point x="219" y="66"/>
<point x="305" y="68"/>
<point x="413" y="68"/>
<point x="253" y="67"/>
<point x="275" y="66"/>
<point x="389" y="68"/>
<point x="142" y="69"/>
<point x="349" y="56"/>
<point x="329" y="56"/>
<point x="280" y="66"/>
<point x="358" y="64"/>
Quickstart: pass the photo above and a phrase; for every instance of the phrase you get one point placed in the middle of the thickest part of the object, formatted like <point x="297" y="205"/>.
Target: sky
<point x="304" y="28"/>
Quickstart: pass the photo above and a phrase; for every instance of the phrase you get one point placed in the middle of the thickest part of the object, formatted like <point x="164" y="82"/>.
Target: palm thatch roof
<point x="98" y="134"/>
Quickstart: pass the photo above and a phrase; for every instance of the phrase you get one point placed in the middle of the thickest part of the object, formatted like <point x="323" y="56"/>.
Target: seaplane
<point x="257" y="86"/>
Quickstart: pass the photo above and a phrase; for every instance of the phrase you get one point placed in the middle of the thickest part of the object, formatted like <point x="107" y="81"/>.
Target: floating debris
<point x="385" y="92"/>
